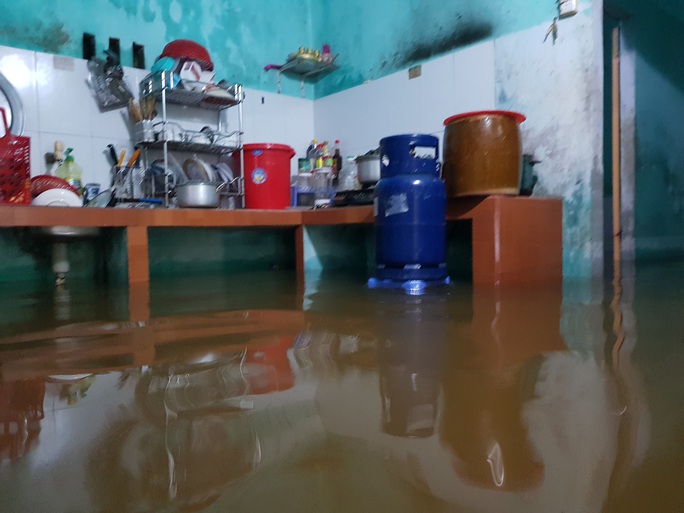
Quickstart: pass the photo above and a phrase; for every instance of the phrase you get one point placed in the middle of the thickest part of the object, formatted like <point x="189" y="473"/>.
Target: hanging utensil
<point x="147" y="106"/>
<point x="112" y="154"/>
<point x="134" y="158"/>
<point x="106" y="79"/>
<point x="134" y="112"/>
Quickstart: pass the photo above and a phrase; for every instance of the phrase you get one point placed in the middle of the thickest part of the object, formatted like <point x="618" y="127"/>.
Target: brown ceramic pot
<point x="482" y="153"/>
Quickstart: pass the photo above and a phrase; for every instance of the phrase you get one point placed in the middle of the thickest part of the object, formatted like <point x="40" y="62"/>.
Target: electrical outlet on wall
<point x="567" y="8"/>
<point x="415" y="71"/>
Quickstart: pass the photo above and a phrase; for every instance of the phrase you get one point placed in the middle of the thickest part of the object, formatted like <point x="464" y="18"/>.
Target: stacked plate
<point x="197" y="170"/>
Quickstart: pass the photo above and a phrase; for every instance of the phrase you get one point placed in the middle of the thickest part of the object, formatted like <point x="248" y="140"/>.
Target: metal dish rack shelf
<point x="194" y="147"/>
<point x="167" y="89"/>
<point x="165" y="85"/>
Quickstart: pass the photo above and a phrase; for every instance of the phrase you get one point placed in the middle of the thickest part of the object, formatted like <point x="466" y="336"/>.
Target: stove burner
<point x="354" y="198"/>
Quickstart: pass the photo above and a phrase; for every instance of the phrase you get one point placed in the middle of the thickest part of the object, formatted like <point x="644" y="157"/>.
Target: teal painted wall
<point x="187" y="251"/>
<point x="559" y="87"/>
<point x="381" y="37"/>
<point x="242" y="37"/>
<point x="373" y="39"/>
<point x="654" y="30"/>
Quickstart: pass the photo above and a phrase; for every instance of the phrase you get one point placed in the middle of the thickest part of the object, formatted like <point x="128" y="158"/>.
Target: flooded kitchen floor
<point x="251" y="394"/>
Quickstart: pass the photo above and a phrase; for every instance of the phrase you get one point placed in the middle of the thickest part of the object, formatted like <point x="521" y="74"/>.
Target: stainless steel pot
<point x="368" y="169"/>
<point x="198" y="195"/>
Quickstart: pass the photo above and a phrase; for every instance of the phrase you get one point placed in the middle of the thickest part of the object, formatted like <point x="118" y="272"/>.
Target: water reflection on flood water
<point x="257" y="394"/>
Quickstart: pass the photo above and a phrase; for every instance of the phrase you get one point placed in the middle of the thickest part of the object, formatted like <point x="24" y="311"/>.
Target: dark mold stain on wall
<point x="466" y="33"/>
<point x="50" y="38"/>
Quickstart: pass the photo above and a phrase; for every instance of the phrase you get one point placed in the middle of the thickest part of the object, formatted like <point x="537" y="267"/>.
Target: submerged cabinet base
<point x="514" y="239"/>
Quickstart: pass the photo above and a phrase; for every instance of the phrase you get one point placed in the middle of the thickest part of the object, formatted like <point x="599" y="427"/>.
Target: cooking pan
<point x="368" y="168"/>
<point x="198" y="194"/>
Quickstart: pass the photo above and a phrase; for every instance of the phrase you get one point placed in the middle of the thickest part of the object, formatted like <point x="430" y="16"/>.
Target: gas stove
<point x="354" y="198"/>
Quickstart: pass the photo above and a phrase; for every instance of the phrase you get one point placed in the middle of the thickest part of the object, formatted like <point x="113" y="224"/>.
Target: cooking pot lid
<point x="515" y="115"/>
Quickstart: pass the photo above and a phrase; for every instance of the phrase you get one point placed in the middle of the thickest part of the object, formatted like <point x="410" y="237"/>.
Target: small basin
<point x="61" y="236"/>
<point x="70" y="232"/>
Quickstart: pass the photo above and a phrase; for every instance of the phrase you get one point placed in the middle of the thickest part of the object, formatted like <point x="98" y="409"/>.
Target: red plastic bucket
<point x="267" y="175"/>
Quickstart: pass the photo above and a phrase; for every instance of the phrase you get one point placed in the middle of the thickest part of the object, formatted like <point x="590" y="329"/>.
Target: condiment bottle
<point x="337" y="162"/>
<point x="70" y="171"/>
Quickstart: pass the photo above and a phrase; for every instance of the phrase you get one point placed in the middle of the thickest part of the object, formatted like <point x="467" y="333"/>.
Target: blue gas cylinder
<point x="410" y="210"/>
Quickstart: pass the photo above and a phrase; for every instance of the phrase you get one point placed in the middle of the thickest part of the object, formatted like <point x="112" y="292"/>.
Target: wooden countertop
<point x="514" y="239"/>
<point x="16" y="215"/>
<point x="26" y="215"/>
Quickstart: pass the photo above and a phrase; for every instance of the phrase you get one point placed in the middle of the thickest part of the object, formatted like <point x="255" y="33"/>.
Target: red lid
<point x="515" y="115"/>
<point x="267" y="146"/>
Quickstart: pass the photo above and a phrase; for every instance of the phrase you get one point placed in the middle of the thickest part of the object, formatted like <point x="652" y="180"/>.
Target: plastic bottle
<point x="311" y="154"/>
<point x="337" y="162"/>
<point x="318" y="161"/>
<point x="70" y="171"/>
<point x="311" y="147"/>
<point x="348" y="175"/>
<point x="327" y="156"/>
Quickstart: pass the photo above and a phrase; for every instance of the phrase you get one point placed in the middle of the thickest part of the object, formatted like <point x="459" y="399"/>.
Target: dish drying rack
<point x="170" y="136"/>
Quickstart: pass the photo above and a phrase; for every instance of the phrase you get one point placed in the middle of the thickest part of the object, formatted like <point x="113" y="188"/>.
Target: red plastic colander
<point x="190" y="50"/>
<point x="15" y="167"/>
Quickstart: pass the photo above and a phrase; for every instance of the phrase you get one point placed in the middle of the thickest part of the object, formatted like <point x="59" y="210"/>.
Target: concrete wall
<point x="241" y="37"/>
<point x="375" y="39"/>
<point x="559" y="88"/>
<point x="395" y="104"/>
<point x="59" y="105"/>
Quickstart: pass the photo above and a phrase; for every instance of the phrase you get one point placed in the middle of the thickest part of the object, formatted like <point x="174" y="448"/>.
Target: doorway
<point x="618" y="142"/>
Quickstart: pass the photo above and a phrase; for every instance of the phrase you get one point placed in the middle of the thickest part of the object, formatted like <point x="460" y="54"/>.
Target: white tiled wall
<point x="59" y="105"/>
<point x="275" y="118"/>
<point x="361" y="116"/>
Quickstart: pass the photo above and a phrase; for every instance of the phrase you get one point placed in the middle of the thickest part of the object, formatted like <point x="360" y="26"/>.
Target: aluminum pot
<point x="198" y="195"/>
<point x="368" y="169"/>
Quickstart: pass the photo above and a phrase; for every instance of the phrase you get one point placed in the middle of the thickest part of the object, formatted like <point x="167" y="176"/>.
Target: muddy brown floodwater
<point x="256" y="394"/>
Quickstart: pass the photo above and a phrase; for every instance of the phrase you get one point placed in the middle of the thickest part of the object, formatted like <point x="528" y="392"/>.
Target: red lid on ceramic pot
<point x="190" y="50"/>
<point x="515" y="115"/>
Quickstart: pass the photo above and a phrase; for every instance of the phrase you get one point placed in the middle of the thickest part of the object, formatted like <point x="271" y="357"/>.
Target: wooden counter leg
<point x="485" y="248"/>
<point x="138" y="254"/>
<point x="517" y="240"/>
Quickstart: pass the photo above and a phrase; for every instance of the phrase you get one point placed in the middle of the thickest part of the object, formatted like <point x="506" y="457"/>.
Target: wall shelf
<point x="308" y="69"/>
<point x="304" y="68"/>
